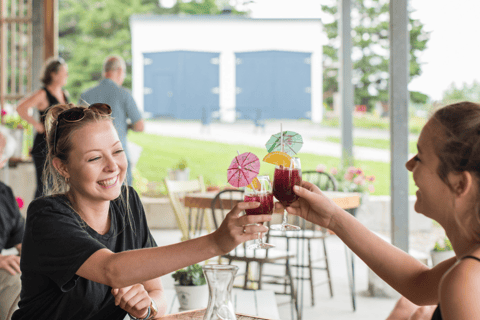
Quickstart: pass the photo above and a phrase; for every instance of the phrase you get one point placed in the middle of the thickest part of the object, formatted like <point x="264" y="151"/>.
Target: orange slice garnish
<point x="278" y="158"/>
<point x="255" y="184"/>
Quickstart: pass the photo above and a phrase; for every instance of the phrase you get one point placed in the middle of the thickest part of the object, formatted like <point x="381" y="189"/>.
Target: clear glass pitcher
<point x="220" y="283"/>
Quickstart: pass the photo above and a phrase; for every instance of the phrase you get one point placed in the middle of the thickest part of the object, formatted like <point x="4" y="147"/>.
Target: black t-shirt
<point x="57" y="242"/>
<point x="12" y="224"/>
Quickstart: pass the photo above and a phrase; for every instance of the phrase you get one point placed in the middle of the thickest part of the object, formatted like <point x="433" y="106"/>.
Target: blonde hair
<point x="54" y="182"/>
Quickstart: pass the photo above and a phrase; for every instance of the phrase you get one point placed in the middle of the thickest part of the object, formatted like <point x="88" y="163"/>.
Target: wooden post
<point x="50" y="28"/>
<point x="3" y="54"/>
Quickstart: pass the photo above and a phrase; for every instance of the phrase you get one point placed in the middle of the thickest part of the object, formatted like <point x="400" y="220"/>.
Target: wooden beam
<point x="50" y="28"/>
<point x="3" y="53"/>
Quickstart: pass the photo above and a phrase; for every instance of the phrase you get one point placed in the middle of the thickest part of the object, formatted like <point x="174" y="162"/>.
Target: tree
<point x="89" y="30"/>
<point x="370" y="52"/>
<point x="465" y="93"/>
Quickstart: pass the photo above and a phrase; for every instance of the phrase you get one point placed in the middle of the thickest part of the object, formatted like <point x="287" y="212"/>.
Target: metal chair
<point x="189" y="222"/>
<point x="310" y="232"/>
<point x="223" y="202"/>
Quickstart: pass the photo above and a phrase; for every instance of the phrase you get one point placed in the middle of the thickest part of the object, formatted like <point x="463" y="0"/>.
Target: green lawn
<point x="371" y="143"/>
<point x="211" y="160"/>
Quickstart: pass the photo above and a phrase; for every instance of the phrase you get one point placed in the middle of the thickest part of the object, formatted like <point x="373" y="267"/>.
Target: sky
<point x="452" y="55"/>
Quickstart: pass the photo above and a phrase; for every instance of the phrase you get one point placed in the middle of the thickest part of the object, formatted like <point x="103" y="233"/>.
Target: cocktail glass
<point x="265" y="197"/>
<point x="284" y="180"/>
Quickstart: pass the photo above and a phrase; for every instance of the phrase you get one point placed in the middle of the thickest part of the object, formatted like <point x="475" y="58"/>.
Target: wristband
<point x="148" y="315"/>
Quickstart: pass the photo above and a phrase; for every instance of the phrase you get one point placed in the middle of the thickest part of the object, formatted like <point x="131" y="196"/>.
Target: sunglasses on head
<point x="77" y="114"/>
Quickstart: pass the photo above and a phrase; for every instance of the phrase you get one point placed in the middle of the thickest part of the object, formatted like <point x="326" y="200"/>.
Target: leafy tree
<point x="465" y="93"/>
<point x="370" y="52"/>
<point x="89" y="30"/>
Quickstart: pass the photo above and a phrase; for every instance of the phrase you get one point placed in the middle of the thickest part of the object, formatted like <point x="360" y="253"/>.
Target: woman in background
<point x="54" y="77"/>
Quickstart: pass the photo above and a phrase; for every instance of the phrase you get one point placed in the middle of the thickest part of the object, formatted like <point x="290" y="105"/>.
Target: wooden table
<point x="260" y="303"/>
<point x="203" y="200"/>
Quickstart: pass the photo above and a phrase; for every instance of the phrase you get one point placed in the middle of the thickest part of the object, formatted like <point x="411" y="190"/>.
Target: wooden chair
<point x="223" y="202"/>
<point x="310" y="232"/>
<point x="190" y="222"/>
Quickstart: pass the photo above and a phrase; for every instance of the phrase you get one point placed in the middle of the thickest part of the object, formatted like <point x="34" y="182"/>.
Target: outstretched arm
<point x="407" y="275"/>
<point x="126" y="268"/>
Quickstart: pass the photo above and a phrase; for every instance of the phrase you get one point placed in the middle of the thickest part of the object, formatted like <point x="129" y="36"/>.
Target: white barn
<point x="226" y="41"/>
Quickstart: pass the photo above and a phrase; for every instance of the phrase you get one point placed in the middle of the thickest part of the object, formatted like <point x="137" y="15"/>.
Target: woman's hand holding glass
<point x="263" y="195"/>
<point x="312" y="205"/>
<point x="236" y="229"/>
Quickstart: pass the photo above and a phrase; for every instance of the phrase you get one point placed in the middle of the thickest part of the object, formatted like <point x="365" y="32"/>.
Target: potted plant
<point x="441" y="251"/>
<point x="191" y="287"/>
<point x="17" y="128"/>
<point x="180" y="171"/>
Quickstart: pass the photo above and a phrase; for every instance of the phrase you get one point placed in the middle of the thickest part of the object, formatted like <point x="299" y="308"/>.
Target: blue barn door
<point x="181" y="84"/>
<point x="273" y="84"/>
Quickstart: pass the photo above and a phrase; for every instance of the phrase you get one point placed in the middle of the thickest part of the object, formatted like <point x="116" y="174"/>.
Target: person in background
<point x="124" y="108"/>
<point x="446" y="171"/>
<point x="87" y="251"/>
<point x="54" y="77"/>
<point x="12" y="227"/>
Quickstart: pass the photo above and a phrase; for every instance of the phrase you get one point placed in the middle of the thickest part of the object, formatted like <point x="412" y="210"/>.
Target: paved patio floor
<point x="339" y="307"/>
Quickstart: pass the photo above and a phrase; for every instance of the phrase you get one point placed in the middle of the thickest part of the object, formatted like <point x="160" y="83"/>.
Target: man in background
<point x="12" y="228"/>
<point x="124" y="109"/>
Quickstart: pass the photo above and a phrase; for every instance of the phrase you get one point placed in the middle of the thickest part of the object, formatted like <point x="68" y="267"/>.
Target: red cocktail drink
<point x="266" y="203"/>
<point x="283" y="182"/>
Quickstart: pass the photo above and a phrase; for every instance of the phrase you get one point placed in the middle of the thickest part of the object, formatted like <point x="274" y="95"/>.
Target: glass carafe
<point x="220" y="283"/>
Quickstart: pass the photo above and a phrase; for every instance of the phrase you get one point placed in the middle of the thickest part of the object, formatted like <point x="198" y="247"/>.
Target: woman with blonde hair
<point x="54" y="77"/>
<point x="87" y="251"/>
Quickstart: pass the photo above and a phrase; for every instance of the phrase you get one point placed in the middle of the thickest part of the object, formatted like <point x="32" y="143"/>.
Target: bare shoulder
<point x="460" y="290"/>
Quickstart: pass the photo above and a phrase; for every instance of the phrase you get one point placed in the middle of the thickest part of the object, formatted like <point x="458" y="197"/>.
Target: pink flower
<point x="359" y="171"/>
<point x="333" y="171"/>
<point x="352" y="170"/>
<point x="371" y="188"/>
<point x="4" y="112"/>
<point x="360" y="180"/>
<point x="321" y="168"/>
<point x="20" y="202"/>
<point x="371" y="178"/>
<point x="348" y="176"/>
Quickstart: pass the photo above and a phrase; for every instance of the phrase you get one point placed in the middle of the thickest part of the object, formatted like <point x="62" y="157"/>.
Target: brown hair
<point x="459" y="150"/>
<point x="51" y="66"/>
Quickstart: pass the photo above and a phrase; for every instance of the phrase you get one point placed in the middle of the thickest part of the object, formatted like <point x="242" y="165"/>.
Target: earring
<point x="67" y="180"/>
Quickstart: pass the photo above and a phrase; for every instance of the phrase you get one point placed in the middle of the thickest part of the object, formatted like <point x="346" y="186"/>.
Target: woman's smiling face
<point x="97" y="164"/>
<point x="433" y="195"/>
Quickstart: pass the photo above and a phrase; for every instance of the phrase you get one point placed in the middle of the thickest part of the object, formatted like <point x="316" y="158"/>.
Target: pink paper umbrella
<point x="243" y="169"/>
